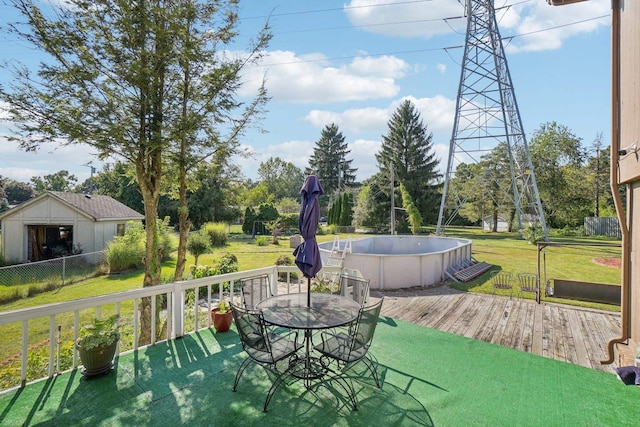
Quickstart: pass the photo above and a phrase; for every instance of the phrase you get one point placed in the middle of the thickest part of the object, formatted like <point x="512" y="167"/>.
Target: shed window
<point x="120" y="230"/>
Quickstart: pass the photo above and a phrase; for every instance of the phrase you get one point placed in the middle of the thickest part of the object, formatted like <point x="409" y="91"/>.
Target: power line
<point x="335" y="9"/>
<point x="444" y="48"/>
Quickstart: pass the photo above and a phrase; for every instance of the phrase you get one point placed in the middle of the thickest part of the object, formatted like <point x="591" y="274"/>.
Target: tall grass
<point x="128" y="251"/>
<point x="218" y="233"/>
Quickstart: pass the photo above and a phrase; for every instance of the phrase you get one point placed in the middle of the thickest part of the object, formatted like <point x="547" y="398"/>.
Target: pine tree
<point x="346" y="210"/>
<point x="329" y="161"/>
<point x="407" y="149"/>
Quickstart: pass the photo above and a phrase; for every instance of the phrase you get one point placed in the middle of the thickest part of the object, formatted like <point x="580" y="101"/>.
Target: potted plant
<point x="221" y="316"/>
<point x="97" y="344"/>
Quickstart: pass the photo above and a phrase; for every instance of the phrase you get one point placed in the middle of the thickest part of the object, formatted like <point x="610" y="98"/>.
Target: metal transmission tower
<point x="488" y="132"/>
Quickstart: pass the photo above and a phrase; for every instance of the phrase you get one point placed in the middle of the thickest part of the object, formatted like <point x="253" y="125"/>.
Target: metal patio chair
<point x="254" y="290"/>
<point x="355" y="287"/>
<point x="264" y="348"/>
<point x="347" y="349"/>
<point x="502" y="280"/>
<point x="527" y="282"/>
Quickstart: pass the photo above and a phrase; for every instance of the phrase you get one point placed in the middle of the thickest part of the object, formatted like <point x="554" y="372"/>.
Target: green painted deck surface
<point x="429" y="378"/>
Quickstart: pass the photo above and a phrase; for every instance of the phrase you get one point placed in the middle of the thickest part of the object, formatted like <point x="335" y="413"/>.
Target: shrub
<point x="262" y="240"/>
<point x="533" y="234"/>
<point x="125" y="252"/>
<point x="198" y="244"/>
<point x="227" y="264"/>
<point x="217" y="232"/>
<point x="285" y="260"/>
<point x="200" y="271"/>
<point x="168" y="239"/>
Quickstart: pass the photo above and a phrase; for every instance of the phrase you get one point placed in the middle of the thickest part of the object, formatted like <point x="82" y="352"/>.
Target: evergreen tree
<point x="249" y="217"/>
<point x="346" y="209"/>
<point x="329" y="161"/>
<point x="407" y="149"/>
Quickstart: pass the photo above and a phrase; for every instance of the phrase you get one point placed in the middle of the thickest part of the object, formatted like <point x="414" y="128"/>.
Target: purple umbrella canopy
<point x="307" y="254"/>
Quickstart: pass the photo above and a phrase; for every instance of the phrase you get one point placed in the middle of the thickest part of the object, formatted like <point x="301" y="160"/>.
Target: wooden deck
<point x="561" y="332"/>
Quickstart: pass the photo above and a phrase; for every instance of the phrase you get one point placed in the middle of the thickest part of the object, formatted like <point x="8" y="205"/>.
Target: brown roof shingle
<point x="98" y="206"/>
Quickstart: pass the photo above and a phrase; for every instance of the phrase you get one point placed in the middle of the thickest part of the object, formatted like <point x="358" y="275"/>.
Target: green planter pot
<point x="97" y="360"/>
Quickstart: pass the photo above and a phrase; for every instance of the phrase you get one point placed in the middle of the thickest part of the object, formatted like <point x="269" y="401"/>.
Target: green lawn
<point x="505" y="251"/>
<point x="508" y="252"/>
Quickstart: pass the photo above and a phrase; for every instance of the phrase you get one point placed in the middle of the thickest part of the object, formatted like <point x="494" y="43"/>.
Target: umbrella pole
<point x="308" y="291"/>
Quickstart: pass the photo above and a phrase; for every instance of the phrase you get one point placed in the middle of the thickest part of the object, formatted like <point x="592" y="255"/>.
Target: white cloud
<point x="313" y="79"/>
<point x="442" y="17"/>
<point x="406" y="19"/>
<point x="363" y="154"/>
<point x="296" y="152"/>
<point x="51" y="158"/>
<point x="437" y="113"/>
<point x="385" y="66"/>
<point x="542" y="27"/>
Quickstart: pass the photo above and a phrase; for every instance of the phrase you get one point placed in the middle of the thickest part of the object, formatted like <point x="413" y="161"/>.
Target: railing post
<point x="273" y="281"/>
<point x="178" y="310"/>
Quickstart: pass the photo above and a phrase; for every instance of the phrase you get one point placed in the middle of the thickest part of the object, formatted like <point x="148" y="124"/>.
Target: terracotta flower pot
<point x="221" y="321"/>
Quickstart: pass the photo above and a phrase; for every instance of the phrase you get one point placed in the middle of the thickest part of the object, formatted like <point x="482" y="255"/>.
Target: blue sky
<point x="353" y="62"/>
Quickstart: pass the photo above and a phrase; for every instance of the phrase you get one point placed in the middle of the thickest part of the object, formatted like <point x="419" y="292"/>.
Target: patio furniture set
<point x="306" y="337"/>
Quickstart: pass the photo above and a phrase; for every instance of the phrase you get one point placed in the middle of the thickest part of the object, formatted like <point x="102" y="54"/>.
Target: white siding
<point x="89" y="235"/>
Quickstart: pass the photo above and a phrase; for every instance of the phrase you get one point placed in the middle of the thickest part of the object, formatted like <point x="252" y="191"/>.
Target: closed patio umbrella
<point x="307" y="254"/>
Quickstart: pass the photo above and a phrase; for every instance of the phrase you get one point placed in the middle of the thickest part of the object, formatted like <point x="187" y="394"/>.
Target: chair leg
<point x="369" y="364"/>
<point x="241" y="369"/>
<point x="348" y="388"/>
<point x="279" y="380"/>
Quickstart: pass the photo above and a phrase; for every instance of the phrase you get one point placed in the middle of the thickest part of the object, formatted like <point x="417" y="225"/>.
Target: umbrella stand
<point x="308" y="291"/>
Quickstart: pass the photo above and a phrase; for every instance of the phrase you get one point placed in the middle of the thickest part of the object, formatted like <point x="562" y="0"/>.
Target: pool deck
<point x="561" y="332"/>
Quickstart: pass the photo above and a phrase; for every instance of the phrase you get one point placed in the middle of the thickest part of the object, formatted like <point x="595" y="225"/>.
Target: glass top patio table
<point x="326" y="311"/>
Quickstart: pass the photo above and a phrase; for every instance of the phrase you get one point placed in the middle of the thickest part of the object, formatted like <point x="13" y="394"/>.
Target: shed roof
<point x="96" y="206"/>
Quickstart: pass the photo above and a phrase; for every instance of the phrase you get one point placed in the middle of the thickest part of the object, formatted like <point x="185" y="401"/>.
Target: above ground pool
<point x="395" y="262"/>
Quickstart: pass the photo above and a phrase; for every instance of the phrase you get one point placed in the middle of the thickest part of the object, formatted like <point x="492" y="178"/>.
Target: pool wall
<point x="395" y="262"/>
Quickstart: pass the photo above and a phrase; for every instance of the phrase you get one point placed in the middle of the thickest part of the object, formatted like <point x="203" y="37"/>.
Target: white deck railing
<point x="176" y="309"/>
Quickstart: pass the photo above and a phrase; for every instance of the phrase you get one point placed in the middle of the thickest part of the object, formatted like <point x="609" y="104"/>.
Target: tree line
<point x="573" y="182"/>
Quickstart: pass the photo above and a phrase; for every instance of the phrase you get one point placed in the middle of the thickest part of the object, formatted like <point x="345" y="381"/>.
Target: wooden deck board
<point x="582" y="357"/>
<point x="570" y="334"/>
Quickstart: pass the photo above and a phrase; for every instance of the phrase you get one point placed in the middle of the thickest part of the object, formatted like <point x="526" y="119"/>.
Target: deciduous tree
<point x="144" y="81"/>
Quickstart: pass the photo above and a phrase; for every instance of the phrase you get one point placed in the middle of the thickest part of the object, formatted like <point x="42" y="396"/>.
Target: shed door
<point x="49" y="241"/>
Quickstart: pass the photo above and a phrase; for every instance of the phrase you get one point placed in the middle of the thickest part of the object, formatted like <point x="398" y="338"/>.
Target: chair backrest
<point x="528" y="281"/>
<point x="362" y="334"/>
<point x="500" y="278"/>
<point x="357" y="287"/>
<point x="255" y="289"/>
<point x="252" y="332"/>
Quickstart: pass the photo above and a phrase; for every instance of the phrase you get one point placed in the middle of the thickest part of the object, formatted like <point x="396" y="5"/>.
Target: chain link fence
<point x="54" y="272"/>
